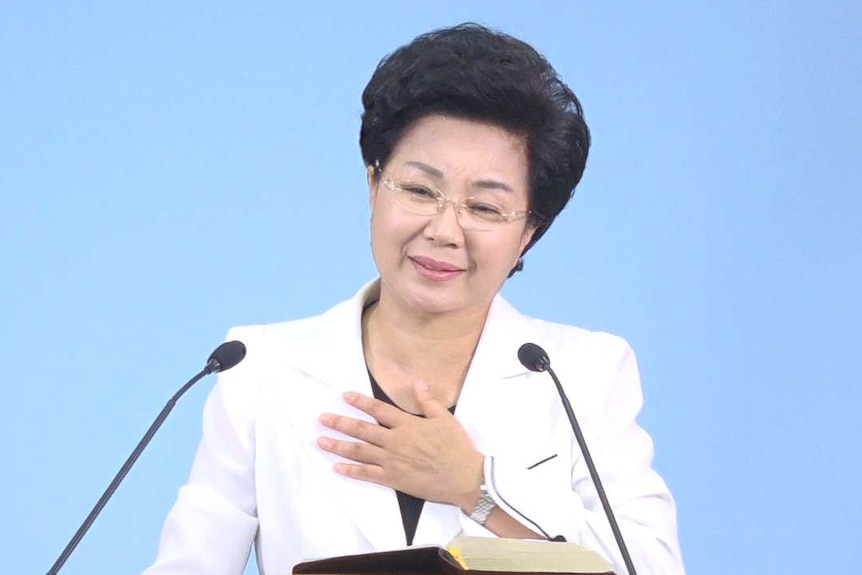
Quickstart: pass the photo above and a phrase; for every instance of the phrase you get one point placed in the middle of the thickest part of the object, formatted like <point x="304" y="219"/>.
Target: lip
<point x="435" y="270"/>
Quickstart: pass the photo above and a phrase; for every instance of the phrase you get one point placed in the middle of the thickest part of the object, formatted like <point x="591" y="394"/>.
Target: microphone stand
<point x="593" y="473"/>
<point x="124" y="470"/>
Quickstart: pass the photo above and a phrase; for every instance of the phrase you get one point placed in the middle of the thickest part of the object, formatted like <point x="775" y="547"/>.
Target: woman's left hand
<point x="431" y="458"/>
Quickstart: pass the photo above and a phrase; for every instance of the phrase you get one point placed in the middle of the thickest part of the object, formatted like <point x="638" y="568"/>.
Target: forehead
<point x="460" y="149"/>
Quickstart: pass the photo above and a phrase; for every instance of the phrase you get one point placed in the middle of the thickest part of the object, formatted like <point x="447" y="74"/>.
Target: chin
<point x="428" y="298"/>
<point x="448" y="304"/>
<point x="431" y="305"/>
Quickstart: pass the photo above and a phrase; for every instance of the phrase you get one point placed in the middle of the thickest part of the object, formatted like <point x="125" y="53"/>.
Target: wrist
<point x="485" y="503"/>
<point x="473" y="491"/>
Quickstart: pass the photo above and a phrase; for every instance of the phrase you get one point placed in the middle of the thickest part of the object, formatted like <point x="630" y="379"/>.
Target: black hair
<point x="470" y="71"/>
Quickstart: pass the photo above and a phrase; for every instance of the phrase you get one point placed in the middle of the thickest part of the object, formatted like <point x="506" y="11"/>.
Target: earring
<point x="519" y="265"/>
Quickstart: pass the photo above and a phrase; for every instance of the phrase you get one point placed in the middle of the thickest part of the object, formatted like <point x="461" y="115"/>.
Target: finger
<point x="355" y="428"/>
<point x="429" y="405"/>
<point x="370" y="473"/>
<point x="353" y="450"/>
<point x="382" y="412"/>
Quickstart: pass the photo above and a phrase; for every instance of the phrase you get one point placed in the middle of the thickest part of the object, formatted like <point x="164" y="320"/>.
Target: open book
<point x="474" y="554"/>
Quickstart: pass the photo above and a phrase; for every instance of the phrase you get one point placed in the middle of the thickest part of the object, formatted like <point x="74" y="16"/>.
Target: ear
<point x="526" y="236"/>
<point x="372" y="188"/>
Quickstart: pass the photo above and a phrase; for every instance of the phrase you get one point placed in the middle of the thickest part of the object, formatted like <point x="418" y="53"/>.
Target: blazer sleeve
<point x="559" y="496"/>
<point x="211" y="527"/>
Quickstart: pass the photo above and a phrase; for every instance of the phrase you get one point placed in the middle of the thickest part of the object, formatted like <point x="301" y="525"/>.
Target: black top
<point x="411" y="507"/>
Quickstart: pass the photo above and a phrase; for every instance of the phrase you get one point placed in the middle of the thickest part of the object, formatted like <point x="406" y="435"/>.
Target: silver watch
<point x="484" y="506"/>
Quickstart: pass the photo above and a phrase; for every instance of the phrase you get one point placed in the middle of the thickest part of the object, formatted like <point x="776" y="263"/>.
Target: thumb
<point x="429" y="405"/>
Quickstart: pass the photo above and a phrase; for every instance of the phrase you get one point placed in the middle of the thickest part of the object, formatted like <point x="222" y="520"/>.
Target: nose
<point x="457" y="207"/>
<point x="445" y="227"/>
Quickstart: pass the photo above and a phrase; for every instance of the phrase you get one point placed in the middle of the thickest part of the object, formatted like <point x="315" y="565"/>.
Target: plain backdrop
<point x="170" y="169"/>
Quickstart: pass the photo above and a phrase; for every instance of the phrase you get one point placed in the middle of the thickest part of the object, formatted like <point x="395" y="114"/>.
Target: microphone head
<point x="533" y="357"/>
<point x="226" y="356"/>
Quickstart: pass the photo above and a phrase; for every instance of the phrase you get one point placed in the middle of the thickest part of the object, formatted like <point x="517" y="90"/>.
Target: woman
<point x="403" y="415"/>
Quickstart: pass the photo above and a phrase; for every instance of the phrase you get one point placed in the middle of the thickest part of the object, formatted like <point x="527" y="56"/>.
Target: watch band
<point x="484" y="506"/>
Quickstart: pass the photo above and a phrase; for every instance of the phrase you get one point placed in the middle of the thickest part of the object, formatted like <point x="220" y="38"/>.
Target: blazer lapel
<point x="330" y="356"/>
<point x="495" y="361"/>
<point x="499" y="389"/>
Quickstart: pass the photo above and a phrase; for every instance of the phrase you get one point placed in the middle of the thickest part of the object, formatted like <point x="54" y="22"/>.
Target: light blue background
<point x="170" y="169"/>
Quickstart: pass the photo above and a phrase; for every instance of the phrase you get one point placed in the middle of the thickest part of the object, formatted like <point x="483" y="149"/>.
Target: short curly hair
<point x="470" y="71"/>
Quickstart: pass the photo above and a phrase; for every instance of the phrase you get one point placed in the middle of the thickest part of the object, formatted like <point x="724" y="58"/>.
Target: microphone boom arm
<point x="121" y="474"/>
<point x="593" y="473"/>
<point x="225" y="356"/>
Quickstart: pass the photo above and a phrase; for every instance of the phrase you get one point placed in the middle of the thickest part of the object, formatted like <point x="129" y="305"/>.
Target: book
<point x="471" y="555"/>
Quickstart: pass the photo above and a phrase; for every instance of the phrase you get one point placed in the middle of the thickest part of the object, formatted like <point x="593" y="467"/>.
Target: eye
<point x="486" y="211"/>
<point x="421" y="193"/>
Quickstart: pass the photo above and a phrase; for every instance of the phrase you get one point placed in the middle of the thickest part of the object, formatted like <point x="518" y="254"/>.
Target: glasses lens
<point x="476" y="213"/>
<point x="419" y="199"/>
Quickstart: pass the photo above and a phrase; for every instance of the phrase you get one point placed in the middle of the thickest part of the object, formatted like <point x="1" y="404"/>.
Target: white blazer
<point x="259" y="476"/>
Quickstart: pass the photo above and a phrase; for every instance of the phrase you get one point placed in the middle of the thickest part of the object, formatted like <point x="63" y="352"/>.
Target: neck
<point x="402" y="349"/>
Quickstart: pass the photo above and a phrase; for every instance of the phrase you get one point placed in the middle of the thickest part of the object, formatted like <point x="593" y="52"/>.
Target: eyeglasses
<point x="481" y="213"/>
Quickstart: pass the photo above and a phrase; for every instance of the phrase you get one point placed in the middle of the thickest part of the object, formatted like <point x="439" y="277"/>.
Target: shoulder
<point x="261" y="337"/>
<point x="569" y="338"/>
<point x="598" y="369"/>
<point x="307" y="332"/>
<point x="561" y="340"/>
<point x="322" y="347"/>
<point x="597" y="363"/>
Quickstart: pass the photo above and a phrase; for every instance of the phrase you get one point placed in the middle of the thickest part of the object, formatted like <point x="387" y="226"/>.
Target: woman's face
<point x="431" y="264"/>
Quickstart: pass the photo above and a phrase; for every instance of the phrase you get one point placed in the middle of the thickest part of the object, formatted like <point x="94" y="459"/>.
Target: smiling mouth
<point x="435" y="265"/>
<point x="435" y="270"/>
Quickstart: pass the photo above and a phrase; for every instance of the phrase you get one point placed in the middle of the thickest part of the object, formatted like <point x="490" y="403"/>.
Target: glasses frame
<point x="443" y="201"/>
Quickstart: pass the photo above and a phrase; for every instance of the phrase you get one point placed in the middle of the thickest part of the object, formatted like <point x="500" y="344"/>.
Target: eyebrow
<point x="426" y="168"/>
<point x="482" y="184"/>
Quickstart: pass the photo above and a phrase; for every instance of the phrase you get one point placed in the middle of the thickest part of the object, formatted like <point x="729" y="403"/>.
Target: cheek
<point x="378" y="239"/>
<point x="389" y="235"/>
<point x="502" y="253"/>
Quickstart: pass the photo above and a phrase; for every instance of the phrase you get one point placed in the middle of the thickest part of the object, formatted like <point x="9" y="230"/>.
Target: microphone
<point x="536" y="359"/>
<point x="225" y="356"/>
